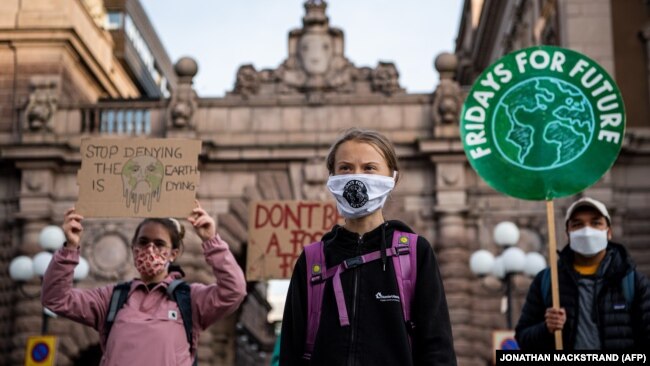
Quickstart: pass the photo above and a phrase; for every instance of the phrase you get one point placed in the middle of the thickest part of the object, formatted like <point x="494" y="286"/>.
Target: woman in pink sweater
<point x="149" y="329"/>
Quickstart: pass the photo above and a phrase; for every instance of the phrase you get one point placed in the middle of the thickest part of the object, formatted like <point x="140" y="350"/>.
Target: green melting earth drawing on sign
<point x="142" y="178"/>
<point x="542" y="122"/>
<point x="549" y="123"/>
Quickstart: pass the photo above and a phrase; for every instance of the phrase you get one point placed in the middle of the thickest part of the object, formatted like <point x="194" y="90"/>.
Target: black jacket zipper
<point x="351" y="357"/>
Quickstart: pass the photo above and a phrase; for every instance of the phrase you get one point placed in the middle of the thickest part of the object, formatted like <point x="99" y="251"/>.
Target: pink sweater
<point x="145" y="331"/>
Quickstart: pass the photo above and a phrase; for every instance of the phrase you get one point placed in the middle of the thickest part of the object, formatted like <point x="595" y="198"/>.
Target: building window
<point x="140" y="46"/>
<point x="114" y="20"/>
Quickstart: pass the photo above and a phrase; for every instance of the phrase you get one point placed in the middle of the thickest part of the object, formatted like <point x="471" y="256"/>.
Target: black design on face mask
<point x="356" y="193"/>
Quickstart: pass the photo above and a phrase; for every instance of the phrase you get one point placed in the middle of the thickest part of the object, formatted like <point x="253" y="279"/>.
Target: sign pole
<point x="552" y="258"/>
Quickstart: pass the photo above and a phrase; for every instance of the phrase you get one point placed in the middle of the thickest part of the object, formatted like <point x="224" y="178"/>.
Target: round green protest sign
<point x="543" y="122"/>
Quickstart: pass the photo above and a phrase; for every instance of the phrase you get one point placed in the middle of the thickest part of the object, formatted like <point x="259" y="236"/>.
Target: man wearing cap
<point x="604" y="301"/>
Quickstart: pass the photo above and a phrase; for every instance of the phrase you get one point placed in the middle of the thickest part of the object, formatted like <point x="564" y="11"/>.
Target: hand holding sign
<point x="541" y="123"/>
<point x="202" y="222"/>
<point x="554" y="319"/>
<point x="72" y="228"/>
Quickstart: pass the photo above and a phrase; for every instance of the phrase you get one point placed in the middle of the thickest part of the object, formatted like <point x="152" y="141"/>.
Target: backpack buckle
<point x="353" y="262"/>
<point x="402" y="249"/>
<point x="315" y="278"/>
<point x="316" y="273"/>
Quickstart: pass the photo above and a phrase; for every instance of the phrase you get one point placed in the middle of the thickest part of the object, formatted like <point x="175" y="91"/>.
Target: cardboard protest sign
<point x="542" y="123"/>
<point x="278" y="230"/>
<point x="138" y="177"/>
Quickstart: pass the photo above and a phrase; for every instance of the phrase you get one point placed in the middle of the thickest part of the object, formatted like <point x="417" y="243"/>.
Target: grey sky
<point x="221" y="35"/>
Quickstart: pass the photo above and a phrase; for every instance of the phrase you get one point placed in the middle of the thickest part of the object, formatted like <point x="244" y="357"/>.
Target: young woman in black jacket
<point x="363" y="171"/>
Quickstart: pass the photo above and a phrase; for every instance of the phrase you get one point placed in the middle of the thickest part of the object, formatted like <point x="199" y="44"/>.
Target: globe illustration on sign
<point x="548" y="123"/>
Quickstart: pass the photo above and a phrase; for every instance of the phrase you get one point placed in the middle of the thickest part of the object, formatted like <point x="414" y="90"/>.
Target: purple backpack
<point x="404" y="261"/>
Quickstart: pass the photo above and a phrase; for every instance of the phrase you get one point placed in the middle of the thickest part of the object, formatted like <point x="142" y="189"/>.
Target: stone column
<point x="445" y="151"/>
<point x="452" y="249"/>
<point x="35" y="203"/>
<point x="447" y="98"/>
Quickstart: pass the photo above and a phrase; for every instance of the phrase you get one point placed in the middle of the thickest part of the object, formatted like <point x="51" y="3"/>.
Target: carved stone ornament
<point x="446" y="102"/>
<point x="97" y="11"/>
<point x="35" y="180"/>
<point x="42" y="103"/>
<point x="316" y="65"/>
<point x="183" y="102"/>
<point x="108" y="250"/>
<point x="385" y="78"/>
<point x="447" y="98"/>
<point x="248" y="80"/>
<point x="316" y="60"/>
<point x="181" y="113"/>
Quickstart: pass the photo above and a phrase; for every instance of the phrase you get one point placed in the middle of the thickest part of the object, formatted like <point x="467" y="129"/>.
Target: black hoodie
<point x="377" y="334"/>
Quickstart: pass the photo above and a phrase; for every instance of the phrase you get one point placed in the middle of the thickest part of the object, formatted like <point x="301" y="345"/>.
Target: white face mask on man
<point x="358" y="195"/>
<point x="588" y="241"/>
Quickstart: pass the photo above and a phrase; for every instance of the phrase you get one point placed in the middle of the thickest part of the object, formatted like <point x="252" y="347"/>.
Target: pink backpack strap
<point x="403" y="252"/>
<point x="405" y="270"/>
<point x="315" y="287"/>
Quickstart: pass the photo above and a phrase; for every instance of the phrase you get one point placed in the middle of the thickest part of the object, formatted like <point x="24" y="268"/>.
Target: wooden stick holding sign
<point x="552" y="258"/>
<point x="542" y="123"/>
<point x="138" y="177"/>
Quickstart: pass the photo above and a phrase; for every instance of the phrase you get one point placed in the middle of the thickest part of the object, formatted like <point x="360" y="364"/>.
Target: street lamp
<point x="512" y="261"/>
<point x="23" y="268"/>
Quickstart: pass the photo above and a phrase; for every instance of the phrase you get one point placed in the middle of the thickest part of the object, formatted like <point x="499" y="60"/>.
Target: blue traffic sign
<point x="40" y="352"/>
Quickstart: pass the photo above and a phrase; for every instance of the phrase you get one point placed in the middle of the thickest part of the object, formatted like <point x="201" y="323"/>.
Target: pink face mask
<point x="149" y="262"/>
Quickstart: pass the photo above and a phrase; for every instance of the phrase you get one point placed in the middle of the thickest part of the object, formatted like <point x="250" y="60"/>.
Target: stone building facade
<point x="268" y="138"/>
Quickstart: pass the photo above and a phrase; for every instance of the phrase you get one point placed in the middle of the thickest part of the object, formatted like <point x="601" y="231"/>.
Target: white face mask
<point x="359" y="195"/>
<point x="588" y="241"/>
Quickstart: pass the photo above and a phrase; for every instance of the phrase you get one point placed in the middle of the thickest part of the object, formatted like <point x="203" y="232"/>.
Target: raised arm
<point x="213" y="302"/>
<point x="86" y="306"/>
